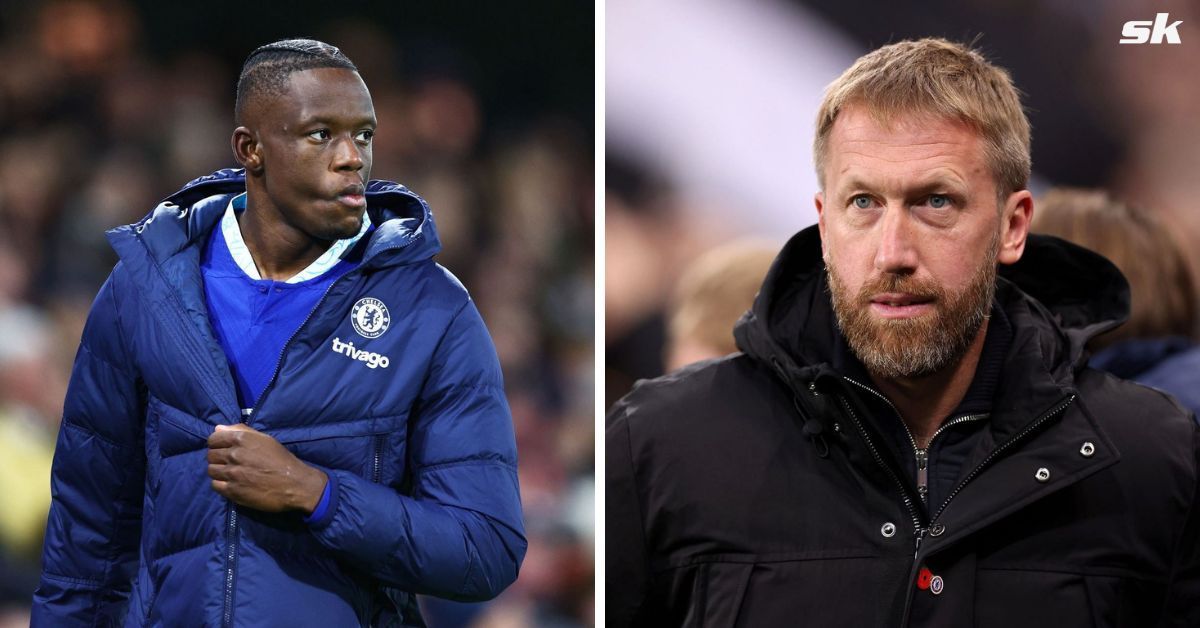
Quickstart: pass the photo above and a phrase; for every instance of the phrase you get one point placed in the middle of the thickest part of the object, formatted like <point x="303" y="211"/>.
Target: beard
<point x="920" y="345"/>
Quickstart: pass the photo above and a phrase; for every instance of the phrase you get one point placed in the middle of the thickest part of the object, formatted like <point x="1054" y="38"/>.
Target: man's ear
<point x="247" y="150"/>
<point x="1015" y="219"/>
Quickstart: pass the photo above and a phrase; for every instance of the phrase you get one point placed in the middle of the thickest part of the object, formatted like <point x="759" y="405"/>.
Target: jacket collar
<point x="231" y="231"/>
<point x="404" y="232"/>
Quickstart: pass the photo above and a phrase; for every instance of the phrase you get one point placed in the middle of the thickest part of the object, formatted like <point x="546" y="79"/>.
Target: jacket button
<point x="937" y="529"/>
<point x="888" y="530"/>
<point x="1042" y="475"/>
<point x="1087" y="450"/>
<point x="936" y="584"/>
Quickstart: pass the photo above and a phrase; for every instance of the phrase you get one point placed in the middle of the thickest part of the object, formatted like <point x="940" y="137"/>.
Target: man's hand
<point x="254" y="470"/>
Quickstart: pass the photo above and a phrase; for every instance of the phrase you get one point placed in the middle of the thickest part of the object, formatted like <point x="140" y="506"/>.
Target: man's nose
<point x="896" y="251"/>
<point x="348" y="155"/>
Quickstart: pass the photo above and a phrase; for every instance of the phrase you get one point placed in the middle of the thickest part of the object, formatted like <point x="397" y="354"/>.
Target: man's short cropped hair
<point x="1163" y="295"/>
<point x="266" y="70"/>
<point x="942" y="79"/>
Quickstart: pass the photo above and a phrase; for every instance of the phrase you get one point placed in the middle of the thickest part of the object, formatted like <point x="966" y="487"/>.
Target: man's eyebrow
<point x="853" y="183"/>
<point x="937" y="184"/>
<point x="930" y="185"/>
<point x="333" y="121"/>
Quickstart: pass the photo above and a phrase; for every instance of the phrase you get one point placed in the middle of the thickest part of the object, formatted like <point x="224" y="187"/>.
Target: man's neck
<point x="279" y="250"/>
<point x="924" y="402"/>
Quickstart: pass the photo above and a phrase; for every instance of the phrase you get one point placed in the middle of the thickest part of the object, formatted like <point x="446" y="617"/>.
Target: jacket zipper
<point x="230" y="562"/>
<point x="1053" y="412"/>
<point x="377" y="467"/>
<point x="921" y="453"/>
<point x="231" y="529"/>
<point x="918" y="528"/>
<point x="231" y="521"/>
<point x="913" y="512"/>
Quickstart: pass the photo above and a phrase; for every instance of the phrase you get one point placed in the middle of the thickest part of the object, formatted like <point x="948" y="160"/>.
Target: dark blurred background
<point x="485" y="109"/>
<point x="710" y="107"/>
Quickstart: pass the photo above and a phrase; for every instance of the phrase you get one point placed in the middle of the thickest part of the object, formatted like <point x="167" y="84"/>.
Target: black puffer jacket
<point x="753" y="490"/>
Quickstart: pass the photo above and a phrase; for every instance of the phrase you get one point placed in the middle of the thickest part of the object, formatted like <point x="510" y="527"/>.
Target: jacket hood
<point x="404" y="228"/>
<point x="1062" y="293"/>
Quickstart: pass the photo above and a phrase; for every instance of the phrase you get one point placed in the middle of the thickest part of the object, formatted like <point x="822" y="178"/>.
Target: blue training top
<point x="253" y="317"/>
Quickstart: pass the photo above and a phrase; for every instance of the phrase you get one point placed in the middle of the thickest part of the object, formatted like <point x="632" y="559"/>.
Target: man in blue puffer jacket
<point x="282" y="411"/>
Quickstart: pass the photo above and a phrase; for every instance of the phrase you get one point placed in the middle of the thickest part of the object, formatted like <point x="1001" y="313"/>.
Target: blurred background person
<point x="715" y="101"/>
<point x="1156" y="346"/>
<point x="712" y="294"/>
<point x="107" y="106"/>
<point x="646" y="239"/>
<point x="30" y="405"/>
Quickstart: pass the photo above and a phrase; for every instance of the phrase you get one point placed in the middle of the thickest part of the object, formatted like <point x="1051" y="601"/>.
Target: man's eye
<point x="939" y="201"/>
<point x="861" y="202"/>
<point x="364" y="136"/>
<point x="320" y="134"/>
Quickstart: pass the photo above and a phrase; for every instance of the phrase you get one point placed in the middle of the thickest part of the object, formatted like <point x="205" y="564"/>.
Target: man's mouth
<point x="353" y="196"/>
<point x="900" y="304"/>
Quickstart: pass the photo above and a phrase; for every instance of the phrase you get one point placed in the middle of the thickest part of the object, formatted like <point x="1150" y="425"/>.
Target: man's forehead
<point x="905" y="154"/>
<point x="859" y="123"/>
<point x="319" y="92"/>
<point x="904" y="140"/>
<point x="320" y="79"/>
<point x="325" y="85"/>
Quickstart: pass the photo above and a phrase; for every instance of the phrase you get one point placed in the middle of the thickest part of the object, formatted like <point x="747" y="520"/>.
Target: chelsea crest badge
<point x="370" y="317"/>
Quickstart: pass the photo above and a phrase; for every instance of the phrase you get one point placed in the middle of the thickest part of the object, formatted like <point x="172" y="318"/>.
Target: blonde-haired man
<point x="911" y="435"/>
<point x="711" y="295"/>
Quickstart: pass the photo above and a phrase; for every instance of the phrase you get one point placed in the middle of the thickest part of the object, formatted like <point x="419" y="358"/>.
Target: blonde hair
<point x="1160" y="284"/>
<point x="715" y="291"/>
<point x="939" y="78"/>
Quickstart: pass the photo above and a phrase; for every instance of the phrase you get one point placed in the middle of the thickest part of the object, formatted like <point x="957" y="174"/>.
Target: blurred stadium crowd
<point x="709" y="129"/>
<point x="107" y="106"/>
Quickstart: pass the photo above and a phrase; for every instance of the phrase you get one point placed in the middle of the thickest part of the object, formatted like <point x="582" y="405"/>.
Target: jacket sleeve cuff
<point x="327" y="507"/>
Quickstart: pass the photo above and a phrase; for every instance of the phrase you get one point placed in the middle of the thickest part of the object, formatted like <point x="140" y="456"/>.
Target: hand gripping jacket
<point x="420" y="454"/>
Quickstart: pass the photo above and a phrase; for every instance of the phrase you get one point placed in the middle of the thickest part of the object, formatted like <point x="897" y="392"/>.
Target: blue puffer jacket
<point x="420" y="452"/>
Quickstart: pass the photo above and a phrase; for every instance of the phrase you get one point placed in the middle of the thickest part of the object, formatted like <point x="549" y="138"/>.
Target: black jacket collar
<point x="1056" y="298"/>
